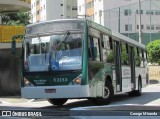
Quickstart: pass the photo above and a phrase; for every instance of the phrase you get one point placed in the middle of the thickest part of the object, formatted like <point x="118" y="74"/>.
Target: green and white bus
<point x="77" y="58"/>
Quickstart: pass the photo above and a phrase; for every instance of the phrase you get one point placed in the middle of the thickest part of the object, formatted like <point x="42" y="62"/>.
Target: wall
<point x="9" y="73"/>
<point x="154" y="72"/>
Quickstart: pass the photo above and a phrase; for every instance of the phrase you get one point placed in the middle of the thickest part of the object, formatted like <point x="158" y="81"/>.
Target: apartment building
<point x="42" y="10"/>
<point x="123" y="15"/>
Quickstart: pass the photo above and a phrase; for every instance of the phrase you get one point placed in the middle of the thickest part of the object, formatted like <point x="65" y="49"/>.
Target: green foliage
<point x="21" y="18"/>
<point x="153" y="49"/>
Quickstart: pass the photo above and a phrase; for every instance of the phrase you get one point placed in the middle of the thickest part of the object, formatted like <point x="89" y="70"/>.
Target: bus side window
<point x="141" y="58"/>
<point x="93" y="49"/>
<point x="136" y="56"/>
<point x="124" y="54"/>
<point x="107" y="47"/>
<point x="145" y="58"/>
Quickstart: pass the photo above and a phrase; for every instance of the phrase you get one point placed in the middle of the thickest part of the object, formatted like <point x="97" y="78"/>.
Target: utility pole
<point x="140" y="31"/>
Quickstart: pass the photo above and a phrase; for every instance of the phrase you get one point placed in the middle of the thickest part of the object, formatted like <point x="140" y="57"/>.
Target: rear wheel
<point x="108" y="95"/>
<point x="57" y="101"/>
<point x="137" y="92"/>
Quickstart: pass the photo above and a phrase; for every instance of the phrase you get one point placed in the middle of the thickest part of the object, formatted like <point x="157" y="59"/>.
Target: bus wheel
<point x="108" y="95"/>
<point x="137" y="92"/>
<point x="57" y="101"/>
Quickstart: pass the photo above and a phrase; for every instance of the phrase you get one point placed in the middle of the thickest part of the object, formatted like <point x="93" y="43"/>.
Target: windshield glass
<point x="53" y="52"/>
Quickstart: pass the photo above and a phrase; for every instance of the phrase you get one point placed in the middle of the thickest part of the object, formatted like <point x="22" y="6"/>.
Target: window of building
<point x="142" y="26"/>
<point x="148" y="27"/>
<point x="127" y="12"/>
<point x="37" y="3"/>
<point x="137" y="11"/>
<point x="157" y="12"/>
<point x="38" y="12"/>
<point x="90" y="4"/>
<point x="74" y="7"/>
<point x="148" y="12"/>
<point x="157" y="27"/>
<point x="152" y="27"/>
<point x="79" y="8"/>
<point x="128" y="27"/>
<point x="61" y="4"/>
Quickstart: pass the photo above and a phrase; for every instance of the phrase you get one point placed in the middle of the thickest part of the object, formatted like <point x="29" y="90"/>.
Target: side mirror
<point x="14" y="38"/>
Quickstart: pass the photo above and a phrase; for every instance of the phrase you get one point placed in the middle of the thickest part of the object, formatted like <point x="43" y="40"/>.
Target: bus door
<point x="132" y="63"/>
<point x="118" y="69"/>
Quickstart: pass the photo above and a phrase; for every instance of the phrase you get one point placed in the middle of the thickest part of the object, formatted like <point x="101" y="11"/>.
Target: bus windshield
<point x="54" y="52"/>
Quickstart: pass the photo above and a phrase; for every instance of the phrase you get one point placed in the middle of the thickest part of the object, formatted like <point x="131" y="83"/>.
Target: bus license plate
<point x="50" y="90"/>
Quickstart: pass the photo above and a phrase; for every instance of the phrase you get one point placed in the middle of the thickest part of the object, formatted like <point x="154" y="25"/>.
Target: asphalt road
<point x="149" y="100"/>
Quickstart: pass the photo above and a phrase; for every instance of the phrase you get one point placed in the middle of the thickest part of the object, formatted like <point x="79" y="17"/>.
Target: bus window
<point x="141" y="54"/>
<point x="136" y="56"/>
<point x="93" y="49"/>
<point x="106" y="49"/>
<point x="124" y="54"/>
<point x="145" y="58"/>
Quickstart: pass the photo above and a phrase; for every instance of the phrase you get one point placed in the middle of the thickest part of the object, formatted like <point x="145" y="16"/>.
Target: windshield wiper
<point x="66" y="36"/>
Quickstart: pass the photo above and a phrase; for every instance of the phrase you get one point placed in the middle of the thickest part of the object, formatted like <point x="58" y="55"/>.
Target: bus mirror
<point x="13" y="45"/>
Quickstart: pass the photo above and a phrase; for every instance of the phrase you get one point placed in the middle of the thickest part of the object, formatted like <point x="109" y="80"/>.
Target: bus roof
<point x="57" y="20"/>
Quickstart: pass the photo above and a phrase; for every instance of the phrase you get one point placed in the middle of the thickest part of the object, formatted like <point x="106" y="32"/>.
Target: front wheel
<point x="108" y="95"/>
<point x="57" y="101"/>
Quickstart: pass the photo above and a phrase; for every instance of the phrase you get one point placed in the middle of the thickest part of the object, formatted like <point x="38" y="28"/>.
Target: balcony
<point x="7" y="6"/>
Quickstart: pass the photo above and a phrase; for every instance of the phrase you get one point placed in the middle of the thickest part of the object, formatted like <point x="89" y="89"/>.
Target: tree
<point x="21" y="18"/>
<point x="153" y="49"/>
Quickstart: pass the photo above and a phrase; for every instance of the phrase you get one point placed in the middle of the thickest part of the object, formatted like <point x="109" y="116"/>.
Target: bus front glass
<point x="53" y="51"/>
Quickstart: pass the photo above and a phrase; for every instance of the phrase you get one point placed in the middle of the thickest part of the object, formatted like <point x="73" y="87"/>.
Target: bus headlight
<point x="76" y="81"/>
<point x="27" y="83"/>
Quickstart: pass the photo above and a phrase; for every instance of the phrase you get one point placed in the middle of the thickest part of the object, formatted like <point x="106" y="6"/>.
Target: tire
<point x="137" y="92"/>
<point x="109" y="92"/>
<point x="58" y="102"/>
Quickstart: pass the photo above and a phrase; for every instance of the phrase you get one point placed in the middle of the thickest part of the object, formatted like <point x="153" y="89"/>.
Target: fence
<point x="125" y="20"/>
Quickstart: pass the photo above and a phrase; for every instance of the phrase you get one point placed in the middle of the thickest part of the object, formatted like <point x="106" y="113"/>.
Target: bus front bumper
<point x="45" y="92"/>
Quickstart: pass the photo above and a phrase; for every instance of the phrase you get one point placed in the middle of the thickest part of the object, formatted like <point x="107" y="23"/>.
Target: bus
<point x="78" y="59"/>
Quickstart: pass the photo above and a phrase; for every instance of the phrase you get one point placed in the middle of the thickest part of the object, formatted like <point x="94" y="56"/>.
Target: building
<point x="10" y="64"/>
<point x="123" y="16"/>
<point x="53" y="9"/>
<point x="9" y="6"/>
